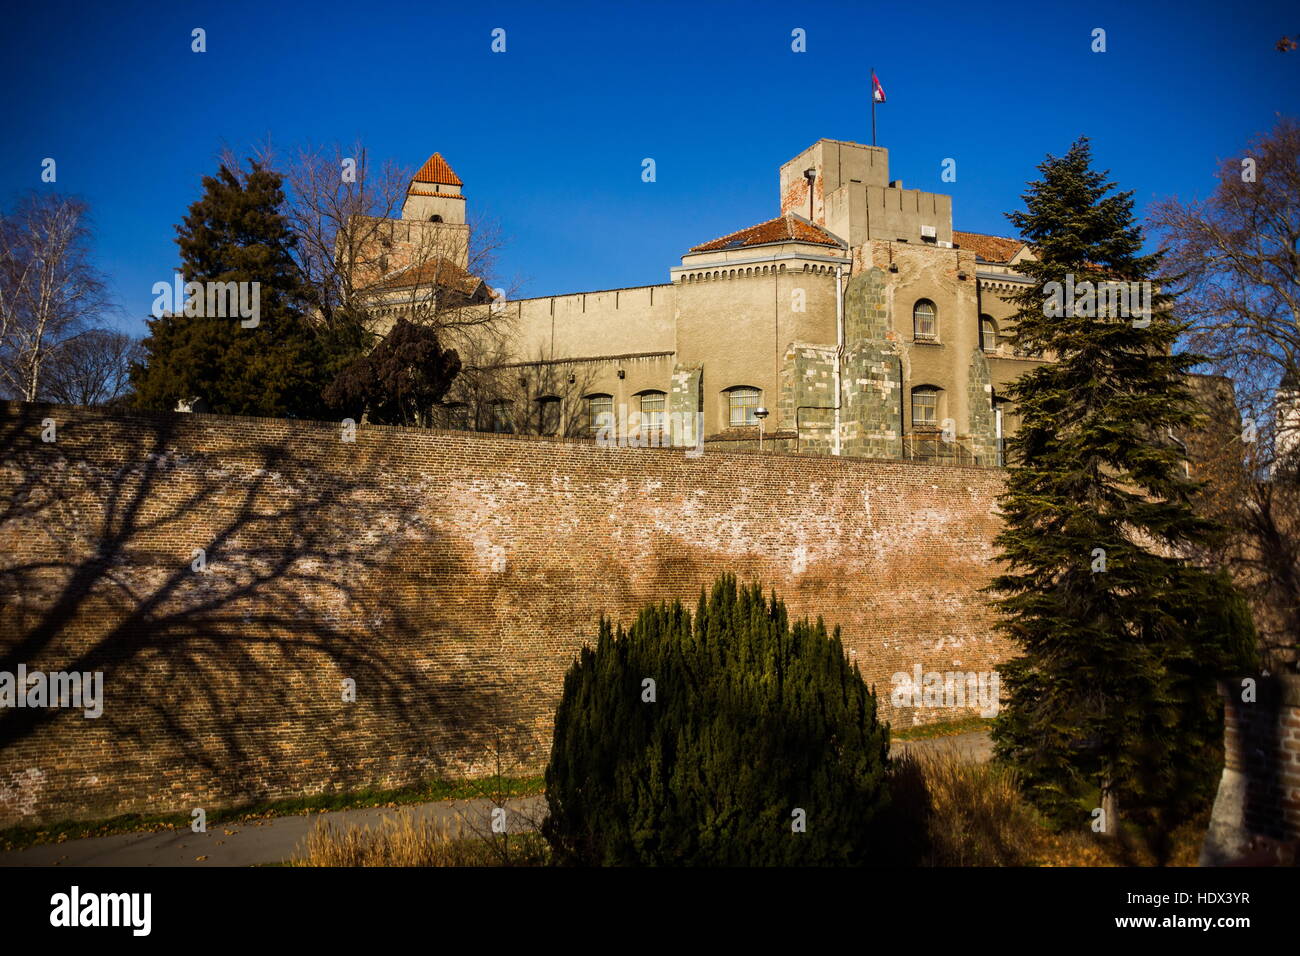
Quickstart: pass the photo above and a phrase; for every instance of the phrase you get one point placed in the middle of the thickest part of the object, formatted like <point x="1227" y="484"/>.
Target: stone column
<point x="872" y="375"/>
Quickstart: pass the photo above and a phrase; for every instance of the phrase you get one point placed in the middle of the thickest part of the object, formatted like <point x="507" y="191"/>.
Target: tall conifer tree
<point x="1119" y="636"/>
<point x="236" y="232"/>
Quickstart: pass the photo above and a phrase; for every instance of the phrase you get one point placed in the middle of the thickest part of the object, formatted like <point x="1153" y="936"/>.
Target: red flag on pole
<point x="877" y="91"/>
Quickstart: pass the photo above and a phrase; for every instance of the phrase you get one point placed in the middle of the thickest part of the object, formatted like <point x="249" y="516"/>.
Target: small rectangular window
<point x="741" y="403"/>
<point x="598" y="406"/>
<point x="652" y="412"/>
<point x="651" y="409"/>
<point x="925" y="408"/>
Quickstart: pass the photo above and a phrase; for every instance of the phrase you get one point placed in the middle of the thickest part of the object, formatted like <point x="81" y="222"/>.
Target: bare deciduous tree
<point x="49" y="291"/>
<point x="497" y="392"/>
<point x="1238" y="257"/>
<point x="363" y="261"/>
<point x="93" y="368"/>
<point x="338" y="202"/>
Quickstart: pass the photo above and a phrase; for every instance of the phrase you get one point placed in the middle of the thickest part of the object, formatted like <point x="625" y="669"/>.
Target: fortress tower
<point x="429" y="244"/>
<point x="853" y="197"/>
<point x="435" y="194"/>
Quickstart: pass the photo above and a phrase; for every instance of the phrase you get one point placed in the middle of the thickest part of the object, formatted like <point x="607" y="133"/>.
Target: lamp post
<point x="760" y="413"/>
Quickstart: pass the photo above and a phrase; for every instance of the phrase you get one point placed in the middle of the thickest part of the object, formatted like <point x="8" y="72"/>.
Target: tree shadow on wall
<point x="226" y="682"/>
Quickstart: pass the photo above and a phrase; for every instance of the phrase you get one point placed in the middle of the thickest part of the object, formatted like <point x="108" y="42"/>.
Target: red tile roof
<point x="435" y="272"/>
<point x="787" y="228"/>
<point x="988" y="248"/>
<point x="437" y="171"/>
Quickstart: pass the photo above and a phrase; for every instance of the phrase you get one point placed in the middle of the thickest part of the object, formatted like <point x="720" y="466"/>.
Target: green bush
<point x="751" y="721"/>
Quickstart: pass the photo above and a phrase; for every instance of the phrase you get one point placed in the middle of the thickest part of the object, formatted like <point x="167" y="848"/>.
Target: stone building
<point x="855" y="322"/>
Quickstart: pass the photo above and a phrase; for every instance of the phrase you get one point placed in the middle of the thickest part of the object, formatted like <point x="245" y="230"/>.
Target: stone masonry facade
<point x="858" y="280"/>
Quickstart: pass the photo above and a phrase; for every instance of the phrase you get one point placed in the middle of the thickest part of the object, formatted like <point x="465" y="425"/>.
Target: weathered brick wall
<point x="1258" y="803"/>
<point x="451" y="576"/>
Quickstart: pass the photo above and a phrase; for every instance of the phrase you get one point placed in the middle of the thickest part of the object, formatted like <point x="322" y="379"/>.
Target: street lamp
<point x="760" y="413"/>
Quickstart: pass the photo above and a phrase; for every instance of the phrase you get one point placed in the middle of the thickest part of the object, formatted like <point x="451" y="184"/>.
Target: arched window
<point x="925" y="320"/>
<point x="652" y="411"/>
<point x="988" y="334"/>
<point x="741" y="402"/>
<point x="548" y="415"/>
<point x="600" y="412"/>
<point x="925" y="407"/>
<point x="435" y="218"/>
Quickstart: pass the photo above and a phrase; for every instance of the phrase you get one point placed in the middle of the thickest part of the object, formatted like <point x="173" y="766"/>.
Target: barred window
<point x="925" y="407"/>
<point x="598" y="405"/>
<point x="741" y="402"/>
<point x="652" y="410"/>
<point x="925" y="320"/>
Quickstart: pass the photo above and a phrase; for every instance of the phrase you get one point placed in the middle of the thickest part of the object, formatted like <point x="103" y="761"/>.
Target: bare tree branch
<point x="49" y="291"/>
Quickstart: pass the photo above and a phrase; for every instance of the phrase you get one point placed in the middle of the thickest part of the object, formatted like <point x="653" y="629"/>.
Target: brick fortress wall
<point x="452" y="576"/>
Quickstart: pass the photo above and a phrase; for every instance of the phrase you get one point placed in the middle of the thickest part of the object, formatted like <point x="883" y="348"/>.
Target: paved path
<point x="276" y="840"/>
<point x="976" y="746"/>
<point x="247" y="844"/>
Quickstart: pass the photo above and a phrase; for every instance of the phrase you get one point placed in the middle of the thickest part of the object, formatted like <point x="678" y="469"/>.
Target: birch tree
<point x="49" y="291"/>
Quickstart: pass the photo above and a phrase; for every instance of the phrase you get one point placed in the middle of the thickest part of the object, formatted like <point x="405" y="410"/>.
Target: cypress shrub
<point x="707" y="741"/>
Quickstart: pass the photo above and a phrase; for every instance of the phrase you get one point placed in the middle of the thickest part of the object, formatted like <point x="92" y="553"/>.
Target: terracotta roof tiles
<point x="988" y="248"/>
<point x="787" y="228"/>
<point x="437" y="171"/>
<point x="438" y="272"/>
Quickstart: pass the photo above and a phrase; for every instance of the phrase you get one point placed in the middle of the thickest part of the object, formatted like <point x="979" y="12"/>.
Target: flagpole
<point x="873" y="106"/>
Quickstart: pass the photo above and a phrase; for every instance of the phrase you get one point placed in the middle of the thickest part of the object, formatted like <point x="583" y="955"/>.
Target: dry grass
<point x="959" y="813"/>
<point x="947" y="811"/>
<point x="406" y="841"/>
<point x="971" y="814"/>
<point x="1126" y="849"/>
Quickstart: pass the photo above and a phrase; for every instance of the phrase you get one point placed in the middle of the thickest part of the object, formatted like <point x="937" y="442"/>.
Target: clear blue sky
<point x="549" y="136"/>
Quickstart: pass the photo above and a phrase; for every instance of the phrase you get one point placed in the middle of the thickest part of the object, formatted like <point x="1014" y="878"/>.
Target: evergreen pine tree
<point x="757" y="743"/>
<point x="1119" y="637"/>
<point x="236" y="232"/>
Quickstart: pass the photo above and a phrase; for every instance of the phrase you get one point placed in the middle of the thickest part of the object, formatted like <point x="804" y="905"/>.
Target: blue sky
<point x="549" y="136"/>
